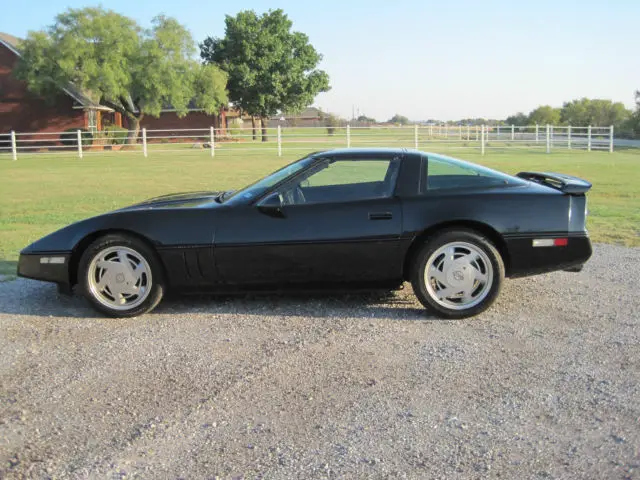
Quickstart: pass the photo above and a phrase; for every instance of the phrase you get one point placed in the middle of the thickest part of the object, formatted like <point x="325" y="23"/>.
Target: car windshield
<point x="258" y="188"/>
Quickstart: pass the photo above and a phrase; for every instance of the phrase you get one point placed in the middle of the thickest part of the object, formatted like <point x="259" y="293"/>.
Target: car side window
<point x="444" y="173"/>
<point x="344" y="180"/>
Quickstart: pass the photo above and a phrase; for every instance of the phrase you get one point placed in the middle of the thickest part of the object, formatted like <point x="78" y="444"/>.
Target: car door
<point x="339" y="223"/>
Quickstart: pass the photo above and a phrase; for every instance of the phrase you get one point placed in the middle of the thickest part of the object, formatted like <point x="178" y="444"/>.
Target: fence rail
<point x="279" y="139"/>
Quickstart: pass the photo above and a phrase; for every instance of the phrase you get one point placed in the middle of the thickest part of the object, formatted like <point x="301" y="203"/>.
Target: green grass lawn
<point x="41" y="193"/>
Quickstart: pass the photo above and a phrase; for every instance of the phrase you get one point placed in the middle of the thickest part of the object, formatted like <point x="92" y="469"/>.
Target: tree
<point x="519" y="120"/>
<point x="631" y="127"/>
<point x="595" y="112"/>
<point x="399" y="119"/>
<point x="270" y="68"/>
<point x="135" y="71"/>
<point x="544" y="115"/>
<point x="365" y="119"/>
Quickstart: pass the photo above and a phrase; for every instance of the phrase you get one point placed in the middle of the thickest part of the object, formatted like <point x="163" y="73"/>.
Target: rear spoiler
<point x="559" y="181"/>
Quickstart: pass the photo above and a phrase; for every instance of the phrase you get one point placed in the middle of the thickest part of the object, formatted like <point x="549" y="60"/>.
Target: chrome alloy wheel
<point x="458" y="275"/>
<point x="119" y="278"/>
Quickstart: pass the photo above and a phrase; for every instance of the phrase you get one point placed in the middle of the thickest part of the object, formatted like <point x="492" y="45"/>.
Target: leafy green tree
<point x="365" y="119"/>
<point x="544" y="115"/>
<point x="270" y="68"/>
<point x="631" y="127"/>
<point x="399" y="119"/>
<point x="519" y="120"/>
<point x="595" y="112"/>
<point x="135" y="71"/>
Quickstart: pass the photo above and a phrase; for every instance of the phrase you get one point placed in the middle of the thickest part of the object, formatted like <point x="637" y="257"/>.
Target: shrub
<point x="115" y="135"/>
<point x="331" y="122"/>
<point x="5" y="141"/>
<point x="69" y="137"/>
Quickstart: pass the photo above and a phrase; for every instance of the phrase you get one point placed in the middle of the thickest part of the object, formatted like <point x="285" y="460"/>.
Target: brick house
<point x="24" y="112"/>
<point x="309" y="117"/>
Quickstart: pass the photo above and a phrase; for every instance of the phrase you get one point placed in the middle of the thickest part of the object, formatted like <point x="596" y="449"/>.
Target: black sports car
<point x="371" y="218"/>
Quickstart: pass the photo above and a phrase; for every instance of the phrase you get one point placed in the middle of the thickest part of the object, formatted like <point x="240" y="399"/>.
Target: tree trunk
<point x="134" y="128"/>
<point x="263" y="122"/>
<point x="253" y="127"/>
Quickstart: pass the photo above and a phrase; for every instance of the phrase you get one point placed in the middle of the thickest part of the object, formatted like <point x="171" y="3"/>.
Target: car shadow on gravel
<point x="27" y="297"/>
<point x="399" y="305"/>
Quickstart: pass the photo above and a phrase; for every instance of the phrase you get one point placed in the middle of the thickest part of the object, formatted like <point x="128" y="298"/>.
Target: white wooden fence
<point x="424" y="137"/>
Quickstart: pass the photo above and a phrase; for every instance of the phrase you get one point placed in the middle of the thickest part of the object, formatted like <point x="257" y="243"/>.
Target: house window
<point x="92" y="121"/>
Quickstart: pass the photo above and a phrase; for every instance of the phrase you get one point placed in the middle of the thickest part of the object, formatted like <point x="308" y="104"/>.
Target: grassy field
<point x="41" y="193"/>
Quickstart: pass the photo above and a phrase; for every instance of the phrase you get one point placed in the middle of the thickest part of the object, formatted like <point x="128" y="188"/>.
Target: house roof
<point x="309" y="112"/>
<point x="10" y="42"/>
<point x="82" y="98"/>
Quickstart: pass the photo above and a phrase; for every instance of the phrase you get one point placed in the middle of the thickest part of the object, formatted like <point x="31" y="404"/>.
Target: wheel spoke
<point x="478" y="275"/>
<point x="467" y="294"/>
<point x="138" y="271"/>
<point x="105" y="264"/>
<point x="434" y="272"/>
<point x="449" y="254"/>
<point x="446" y="292"/>
<point x="103" y="282"/>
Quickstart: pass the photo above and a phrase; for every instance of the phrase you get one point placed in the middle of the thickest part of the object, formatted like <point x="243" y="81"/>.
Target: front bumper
<point x="48" y="267"/>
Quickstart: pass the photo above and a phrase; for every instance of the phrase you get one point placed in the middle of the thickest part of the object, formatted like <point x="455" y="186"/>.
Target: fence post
<point x="79" y="137"/>
<point x="569" y="137"/>
<point x="144" y="141"/>
<point x="415" y="136"/>
<point x="548" y="140"/>
<point x="348" y="136"/>
<point x="430" y="132"/>
<point x="482" y="130"/>
<point x="279" y="141"/>
<point x="212" y="141"/>
<point x="611" y="139"/>
<point x="589" y="138"/>
<point x="14" y="148"/>
<point x="513" y="133"/>
<point x="537" y="132"/>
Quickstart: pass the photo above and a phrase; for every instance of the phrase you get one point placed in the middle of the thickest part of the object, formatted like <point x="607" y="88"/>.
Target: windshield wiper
<point x="220" y="198"/>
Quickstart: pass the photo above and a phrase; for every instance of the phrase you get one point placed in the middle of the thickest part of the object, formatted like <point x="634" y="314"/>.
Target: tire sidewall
<point x="443" y="238"/>
<point x="118" y="240"/>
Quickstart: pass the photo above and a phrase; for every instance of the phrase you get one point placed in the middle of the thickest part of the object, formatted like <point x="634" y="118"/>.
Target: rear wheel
<point x="458" y="274"/>
<point x="121" y="276"/>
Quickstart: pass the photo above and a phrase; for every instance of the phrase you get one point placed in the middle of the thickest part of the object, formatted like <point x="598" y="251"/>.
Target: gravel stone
<point x="546" y="384"/>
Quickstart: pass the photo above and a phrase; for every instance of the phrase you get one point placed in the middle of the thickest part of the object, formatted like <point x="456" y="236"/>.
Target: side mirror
<point x="271" y="205"/>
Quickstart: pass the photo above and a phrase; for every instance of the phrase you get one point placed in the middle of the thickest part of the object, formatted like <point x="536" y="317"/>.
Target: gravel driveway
<point x="544" y="385"/>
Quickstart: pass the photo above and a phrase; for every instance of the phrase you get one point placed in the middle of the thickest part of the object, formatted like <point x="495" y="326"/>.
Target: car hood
<point x="177" y="200"/>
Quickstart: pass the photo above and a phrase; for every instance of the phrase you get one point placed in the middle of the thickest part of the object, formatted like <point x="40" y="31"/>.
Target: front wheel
<point x="121" y="276"/>
<point x="457" y="274"/>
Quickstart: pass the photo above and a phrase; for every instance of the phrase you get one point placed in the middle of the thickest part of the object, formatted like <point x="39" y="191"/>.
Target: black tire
<point x="489" y="292"/>
<point x="141" y="249"/>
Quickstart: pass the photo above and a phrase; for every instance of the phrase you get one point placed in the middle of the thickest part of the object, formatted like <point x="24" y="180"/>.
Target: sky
<point x="427" y="59"/>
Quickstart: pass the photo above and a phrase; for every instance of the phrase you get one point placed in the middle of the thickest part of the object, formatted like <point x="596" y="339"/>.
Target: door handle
<point x="380" y="215"/>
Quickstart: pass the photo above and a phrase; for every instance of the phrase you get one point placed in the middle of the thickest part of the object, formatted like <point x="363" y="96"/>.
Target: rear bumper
<point x="48" y="267"/>
<point x="525" y="259"/>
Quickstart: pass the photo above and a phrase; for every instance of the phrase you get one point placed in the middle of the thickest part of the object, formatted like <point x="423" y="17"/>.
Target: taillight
<point x="550" y="242"/>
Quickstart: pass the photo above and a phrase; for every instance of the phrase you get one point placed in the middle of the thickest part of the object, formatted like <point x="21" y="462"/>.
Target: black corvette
<point x="367" y="218"/>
